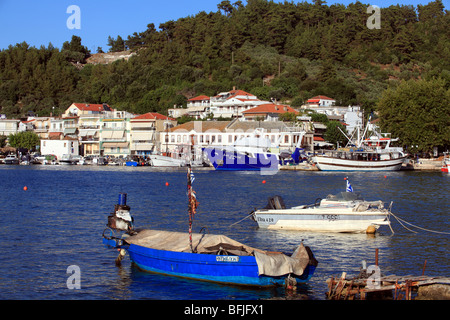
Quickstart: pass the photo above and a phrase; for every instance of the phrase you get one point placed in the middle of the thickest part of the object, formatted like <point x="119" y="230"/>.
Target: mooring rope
<point x="400" y="220"/>
<point x="246" y="217"/>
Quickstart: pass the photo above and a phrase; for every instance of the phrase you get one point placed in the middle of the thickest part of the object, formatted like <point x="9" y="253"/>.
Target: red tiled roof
<point x="240" y="93"/>
<point x="92" y="107"/>
<point x="320" y="98"/>
<point x="270" y="108"/>
<point x="199" y="98"/>
<point x="152" y="116"/>
<point x="54" y="135"/>
<point x="319" y="139"/>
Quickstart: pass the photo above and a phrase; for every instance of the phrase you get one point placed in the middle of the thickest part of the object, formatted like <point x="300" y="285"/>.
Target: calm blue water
<point x="59" y="220"/>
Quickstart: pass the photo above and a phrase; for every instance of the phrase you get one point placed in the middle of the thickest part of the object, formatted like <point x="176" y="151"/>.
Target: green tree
<point x="333" y="134"/>
<point x="3" y="141"/>
<point x="116" y="45"/>
<point x="27" y="139"/>
<point x="288" y="117"/>
<point x="74" y="51"/>
<point x="417" y="113"/>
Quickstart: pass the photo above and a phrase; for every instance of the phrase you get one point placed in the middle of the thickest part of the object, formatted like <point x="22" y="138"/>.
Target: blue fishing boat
<point x="253" y="153"/>
<point x="216" y="259"/>
<point x="205" y="257"/>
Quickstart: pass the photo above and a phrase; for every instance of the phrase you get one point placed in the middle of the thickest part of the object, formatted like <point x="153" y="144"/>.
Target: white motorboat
<point x="68" y="159"/>
<point x="345" y="212"/>
<point x="165" y="161"/>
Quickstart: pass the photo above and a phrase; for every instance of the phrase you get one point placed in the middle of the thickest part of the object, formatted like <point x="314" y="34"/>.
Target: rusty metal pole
<point x="424" y="265"/>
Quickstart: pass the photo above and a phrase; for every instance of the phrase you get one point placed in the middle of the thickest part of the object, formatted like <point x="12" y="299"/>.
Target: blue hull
<point x="235" y="161"/>
<point x="236" y="270"/>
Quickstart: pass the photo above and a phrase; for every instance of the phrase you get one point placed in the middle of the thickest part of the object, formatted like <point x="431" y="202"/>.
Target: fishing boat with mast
<point x="205" y="257"/>
<point x="374" y="153"/>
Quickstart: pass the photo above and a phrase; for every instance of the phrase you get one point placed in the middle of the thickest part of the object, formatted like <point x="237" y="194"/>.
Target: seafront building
<point x="100" y="130"/>
<point x="145" y="132"/>
<point x="201" y="134"/>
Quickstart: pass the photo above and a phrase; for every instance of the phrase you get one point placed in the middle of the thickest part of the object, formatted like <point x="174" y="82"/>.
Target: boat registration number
<point x="269" y="220"/>
<point x="330" y="217"/>
<point x="227" y="258"/>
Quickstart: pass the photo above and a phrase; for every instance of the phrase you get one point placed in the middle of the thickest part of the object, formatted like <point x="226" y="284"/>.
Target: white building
<point x="353" y="118"/>
<point x="59" y="147"/>
<point x="9" y="126"/>
<point x="321" y="101"/>
<point x="226" y="105"/>
<point x="224" y="133"/>
<point x="231" y="104"/>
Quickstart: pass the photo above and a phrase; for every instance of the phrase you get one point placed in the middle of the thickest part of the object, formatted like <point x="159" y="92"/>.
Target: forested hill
<point x="289" y="51"/>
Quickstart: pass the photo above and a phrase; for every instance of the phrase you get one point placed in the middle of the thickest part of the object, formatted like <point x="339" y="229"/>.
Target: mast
<point x="192" y="203"/>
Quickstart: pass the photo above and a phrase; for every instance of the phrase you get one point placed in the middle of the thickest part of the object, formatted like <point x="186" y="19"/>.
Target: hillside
<point x="289" y="51"/>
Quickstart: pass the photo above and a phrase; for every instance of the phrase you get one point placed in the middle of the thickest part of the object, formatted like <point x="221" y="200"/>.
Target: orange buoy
<point x="167" y="184"/>
<point x="25" y="188"/>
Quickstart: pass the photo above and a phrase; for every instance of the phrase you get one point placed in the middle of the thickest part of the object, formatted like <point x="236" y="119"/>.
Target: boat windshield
<point x="345" y="196"/>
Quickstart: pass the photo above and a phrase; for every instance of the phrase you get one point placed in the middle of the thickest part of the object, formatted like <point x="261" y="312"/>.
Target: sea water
<point x="51" y="233"/>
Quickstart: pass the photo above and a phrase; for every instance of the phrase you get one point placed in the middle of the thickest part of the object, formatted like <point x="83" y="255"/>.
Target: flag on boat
<point x="193" y="203"/>
<point x="349" y="186"/>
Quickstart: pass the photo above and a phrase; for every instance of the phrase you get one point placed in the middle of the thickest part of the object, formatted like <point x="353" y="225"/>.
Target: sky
<point x="44" y="21"/>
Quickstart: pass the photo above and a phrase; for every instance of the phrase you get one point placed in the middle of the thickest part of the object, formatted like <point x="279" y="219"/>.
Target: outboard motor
<point x="121" y="218"/>
<point x="275" y="203"/>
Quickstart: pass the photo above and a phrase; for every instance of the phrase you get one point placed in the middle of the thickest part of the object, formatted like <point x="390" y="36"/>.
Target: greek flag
<point x="349" y="186"/>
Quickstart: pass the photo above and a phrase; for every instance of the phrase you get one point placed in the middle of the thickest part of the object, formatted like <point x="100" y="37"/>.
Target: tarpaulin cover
<point x="269" y="263"/>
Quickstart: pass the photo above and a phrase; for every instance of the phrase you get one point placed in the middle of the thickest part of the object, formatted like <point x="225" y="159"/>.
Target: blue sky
<point x="44" y="21"/>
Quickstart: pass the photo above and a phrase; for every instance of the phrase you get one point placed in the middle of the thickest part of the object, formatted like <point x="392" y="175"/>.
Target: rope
<point x="400" y="220"/>
<point x="248" y="216"/>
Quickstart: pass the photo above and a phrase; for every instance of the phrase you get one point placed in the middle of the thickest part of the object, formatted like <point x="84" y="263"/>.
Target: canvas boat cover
<point x="271" y="264"/>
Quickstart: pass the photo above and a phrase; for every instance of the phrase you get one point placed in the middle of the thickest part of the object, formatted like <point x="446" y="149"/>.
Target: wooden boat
<point x="372" y="154"/>
<point x="205" y="257"/>
<point x="216" y="258"/>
